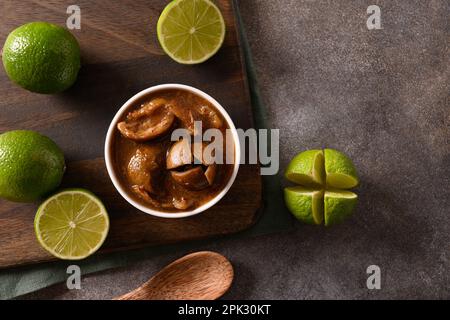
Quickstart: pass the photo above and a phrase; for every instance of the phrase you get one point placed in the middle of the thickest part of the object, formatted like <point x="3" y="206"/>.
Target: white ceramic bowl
<point x="113" y="174"/>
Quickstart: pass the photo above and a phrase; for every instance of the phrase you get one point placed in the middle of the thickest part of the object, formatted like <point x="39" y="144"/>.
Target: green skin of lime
<point x="337" y="209"/>
<point x="304" y="203"/>
<point x="31" y="166"/>
<point x="303" y="169"/>
<point x="338" y="203"/>
<point x="41" y="57"/>
<point x="341" y="166"/>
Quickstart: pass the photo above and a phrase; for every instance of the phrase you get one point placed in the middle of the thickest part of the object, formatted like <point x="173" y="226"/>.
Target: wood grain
<point x="121" y="57"/>
<point x="201" y="275"/>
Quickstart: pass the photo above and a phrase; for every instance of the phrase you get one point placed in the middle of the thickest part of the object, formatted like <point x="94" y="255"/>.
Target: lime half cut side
<point x="191" y="31"/>
<point x="72" y="224"/>
<point x="305" y="204"/>
<point x="307" y="169"/>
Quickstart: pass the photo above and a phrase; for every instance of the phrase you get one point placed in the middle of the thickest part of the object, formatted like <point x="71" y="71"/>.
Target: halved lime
<point x="340" y="171"/>
<point x="191" y="31"/>
<point x="305" y="204"/>
<point x="307" y="169"/>
<point x="72" y="224"/>
<point x="339" y="205"/>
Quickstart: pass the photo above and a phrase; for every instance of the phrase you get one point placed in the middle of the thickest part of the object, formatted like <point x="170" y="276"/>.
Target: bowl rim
<point x="113" y="176"/>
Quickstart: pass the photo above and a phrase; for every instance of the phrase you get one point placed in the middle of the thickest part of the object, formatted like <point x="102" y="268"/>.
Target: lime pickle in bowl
<point x="172" y="151"/>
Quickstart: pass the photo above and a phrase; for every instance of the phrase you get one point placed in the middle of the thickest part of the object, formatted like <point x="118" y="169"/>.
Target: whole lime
<point x="31" y="166"/>
<point x="42" y="57"/>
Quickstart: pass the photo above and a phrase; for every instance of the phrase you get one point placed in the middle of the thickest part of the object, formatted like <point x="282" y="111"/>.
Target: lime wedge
<point x="72" y="224"/>
<point x="340" y="171"/>
<point x="305" y="204"/>
<point x="191" y="31"/>
<point x="307" y="169"/>
<point x="339" y="205"/>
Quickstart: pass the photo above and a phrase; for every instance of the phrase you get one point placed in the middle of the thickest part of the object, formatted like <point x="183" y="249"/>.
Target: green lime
<point x="41" y="57"/>
<point x="191" y="31"/>
<point x="340" y="171"/>
<point x="72" y="224"/>
<point x="306" y="168"/>
<point x="320" y="175"/>
<point x="339" y="205"/>
<point x="305" y="204"/>
<point x="31" y="165"/>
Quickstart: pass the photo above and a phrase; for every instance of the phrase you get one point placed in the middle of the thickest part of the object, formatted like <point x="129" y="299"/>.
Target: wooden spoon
<point x="202" y="275"/>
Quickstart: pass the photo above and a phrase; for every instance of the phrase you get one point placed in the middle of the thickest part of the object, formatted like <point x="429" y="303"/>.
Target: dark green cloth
<point x="274" y="217"/>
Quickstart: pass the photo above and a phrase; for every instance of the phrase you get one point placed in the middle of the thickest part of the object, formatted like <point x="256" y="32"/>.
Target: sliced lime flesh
<point x="307" y="169"/>
<point x="341" y="181"/>
<point x="191" y="31"/>
<point x="72" y="224"/>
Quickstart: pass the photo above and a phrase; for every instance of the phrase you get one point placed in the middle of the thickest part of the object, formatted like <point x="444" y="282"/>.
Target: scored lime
<point x="191" y="31"/>
<point x="321" y="175"/>
<point x="339" y="205"/>
<point x="305" y="204"/>
<point x="41" y="57"/>
<point x="72" y="224"/>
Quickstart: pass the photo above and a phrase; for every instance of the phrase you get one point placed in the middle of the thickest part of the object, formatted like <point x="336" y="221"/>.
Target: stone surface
<point x="382" y="97"/>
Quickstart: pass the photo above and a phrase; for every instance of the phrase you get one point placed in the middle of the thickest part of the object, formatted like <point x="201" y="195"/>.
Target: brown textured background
<point x="381" y="96"/>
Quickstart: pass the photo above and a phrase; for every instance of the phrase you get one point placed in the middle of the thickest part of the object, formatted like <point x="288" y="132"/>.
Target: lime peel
<point x="322" y="175"/>
<point x="42" y="57"/>
<point x="338" y="206"/>
<point x="307" y="169"/>
<point x="305" y="203"/>
<point x="340" y="171"/>
<point x="31" y="165"/>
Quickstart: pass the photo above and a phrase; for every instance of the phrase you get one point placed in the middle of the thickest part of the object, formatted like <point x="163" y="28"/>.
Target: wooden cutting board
<point x="120" y="57"/>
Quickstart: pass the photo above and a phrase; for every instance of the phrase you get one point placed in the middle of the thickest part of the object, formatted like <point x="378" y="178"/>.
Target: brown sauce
<point x="153" y="169"/>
